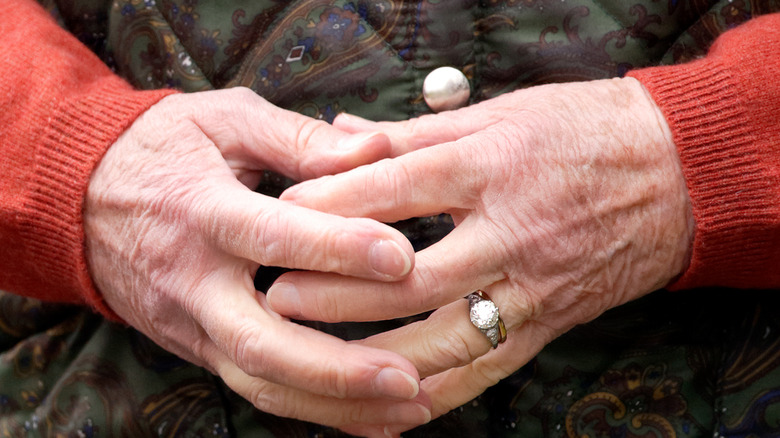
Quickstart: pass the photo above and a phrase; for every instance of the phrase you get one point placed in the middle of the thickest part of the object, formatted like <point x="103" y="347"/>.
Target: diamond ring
<point x="484" y="315"/>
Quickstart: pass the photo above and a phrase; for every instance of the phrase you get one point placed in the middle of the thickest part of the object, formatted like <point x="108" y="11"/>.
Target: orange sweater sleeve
<point x="724" y="112"/>
<point x="61" y="109"/>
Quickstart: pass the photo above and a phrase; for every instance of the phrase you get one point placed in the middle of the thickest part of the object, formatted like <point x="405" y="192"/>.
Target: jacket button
<point x="446" y="88"/>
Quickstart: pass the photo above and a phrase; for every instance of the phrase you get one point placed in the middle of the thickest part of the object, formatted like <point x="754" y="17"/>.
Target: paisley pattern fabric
<point x="322" y="57"/>
<point x="700" y="363"/>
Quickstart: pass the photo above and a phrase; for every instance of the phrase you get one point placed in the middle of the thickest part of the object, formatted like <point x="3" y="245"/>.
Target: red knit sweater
<point x="62" y="108"/>
<point x="723" y="111"/>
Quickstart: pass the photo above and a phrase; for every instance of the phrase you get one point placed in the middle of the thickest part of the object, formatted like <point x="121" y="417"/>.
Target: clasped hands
<point x="568" y="200"/>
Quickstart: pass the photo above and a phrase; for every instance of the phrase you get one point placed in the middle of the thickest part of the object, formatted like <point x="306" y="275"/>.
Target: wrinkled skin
<point x="174" y="237"/>
<point x="568" y="200"/>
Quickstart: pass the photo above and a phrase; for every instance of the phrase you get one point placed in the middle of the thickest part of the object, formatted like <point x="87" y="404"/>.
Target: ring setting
<point x="485" y="316"/>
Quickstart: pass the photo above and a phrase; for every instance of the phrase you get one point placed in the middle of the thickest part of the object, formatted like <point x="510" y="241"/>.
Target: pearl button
<point x="446" y="88"/>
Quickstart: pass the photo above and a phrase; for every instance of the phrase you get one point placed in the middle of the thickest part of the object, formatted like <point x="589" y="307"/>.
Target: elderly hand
<point x="174" y="237"/>
<point x="568" y="200"/>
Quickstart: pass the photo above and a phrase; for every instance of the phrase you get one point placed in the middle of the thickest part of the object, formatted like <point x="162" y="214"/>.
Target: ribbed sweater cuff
<point x="733" y="193"/>
<point x="73" y="142"/>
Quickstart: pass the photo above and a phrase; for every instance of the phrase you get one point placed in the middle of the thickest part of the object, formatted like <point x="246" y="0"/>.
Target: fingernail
<point x="355" y="140"/>
<point x="388" y="258"/>
<point x="403" y="415"/>
<point x="395" y="383"/>
<point x="284" y="299"/>
<point x="426" y="413"/>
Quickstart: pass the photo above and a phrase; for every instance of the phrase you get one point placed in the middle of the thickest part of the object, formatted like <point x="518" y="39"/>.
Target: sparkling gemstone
<point x="484" y="314"/>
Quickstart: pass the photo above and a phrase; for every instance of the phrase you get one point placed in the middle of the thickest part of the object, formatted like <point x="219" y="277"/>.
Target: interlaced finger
<point x="456" y="386"/>
<point x="429" y="181"/>
<point x="444" y="340"/>
<point x="428" y="130"/>
<point x="275" y="233"/>
<point x="263" y="345"/>
<point x="299" y="403"/>
<point x="448" y="338"/>
<point x="250" y="130"/>
<point x="444" y="272"/>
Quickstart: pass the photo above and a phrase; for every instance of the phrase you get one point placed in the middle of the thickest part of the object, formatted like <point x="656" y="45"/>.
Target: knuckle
<point x="416" y="127"/>
<point x="391" y="175"/>
<point x="244" y="97"/>
<point x="410" y="298"/>
<point x="269" y="397"/>
<point x="334" y="243"/>
<point x="338" y="383"/>
<point x="326" y="307"/>
<point x="487" y="374"/>
<point x="420" y="127"/>
<point x="199" y="347"/>
<point x="356" y="414"/>
<point x="196" y="302"/>
<point x="345" y="249"/>
<point x="308" y="129"/>
<point x="275" y="234"/>
<point x="247" y="351"/>
<point x="284" y="244"/>
<point x="330" y="379"/>
<point x="452" y="349"/>
<point x="463" y="351"/>
<point x="521" y="308"/>
<point x="245" y="93"/>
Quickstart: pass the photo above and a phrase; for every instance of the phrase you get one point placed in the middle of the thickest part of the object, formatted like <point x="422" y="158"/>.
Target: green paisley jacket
<point x="668" y="365"/>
